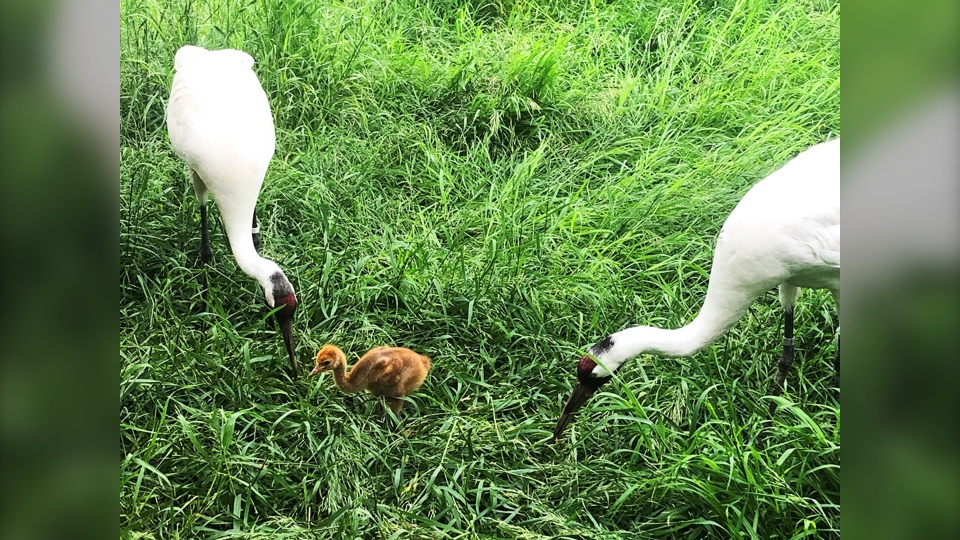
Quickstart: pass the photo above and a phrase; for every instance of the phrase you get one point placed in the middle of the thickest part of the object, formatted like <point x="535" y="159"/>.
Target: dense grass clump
<point x="496" y="185"/>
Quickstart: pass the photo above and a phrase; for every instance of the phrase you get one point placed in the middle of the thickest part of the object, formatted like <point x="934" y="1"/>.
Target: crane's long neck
<point x="721" y="309"/>
<point x="239" y="231"/>
<point x="348" y="382"/>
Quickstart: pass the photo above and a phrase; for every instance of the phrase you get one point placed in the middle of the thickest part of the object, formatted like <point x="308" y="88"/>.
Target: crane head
<point x="281" y="294"/>
<point x="329" y="357"/>
<point x="587" y="384"/>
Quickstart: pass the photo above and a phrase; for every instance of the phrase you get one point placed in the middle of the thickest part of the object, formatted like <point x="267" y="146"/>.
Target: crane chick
<point x="390" y="372"/>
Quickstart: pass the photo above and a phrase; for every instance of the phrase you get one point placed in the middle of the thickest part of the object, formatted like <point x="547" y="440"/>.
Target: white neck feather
<point x="721" y="310"/>
<point x="252" y="264"/>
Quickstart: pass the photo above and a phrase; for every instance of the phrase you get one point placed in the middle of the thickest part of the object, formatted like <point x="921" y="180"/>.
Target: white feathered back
<point x="220" y="124"/>
<point x="190" y="53"/>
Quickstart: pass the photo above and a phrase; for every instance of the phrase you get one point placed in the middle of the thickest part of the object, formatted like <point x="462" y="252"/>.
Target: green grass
<point x="497" y="185"/>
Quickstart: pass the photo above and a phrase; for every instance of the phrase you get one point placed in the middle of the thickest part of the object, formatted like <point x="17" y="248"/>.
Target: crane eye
<point x="326" y="363"/>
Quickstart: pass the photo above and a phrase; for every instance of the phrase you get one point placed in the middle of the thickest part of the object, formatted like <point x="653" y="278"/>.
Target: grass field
<point x="497" y="185"/>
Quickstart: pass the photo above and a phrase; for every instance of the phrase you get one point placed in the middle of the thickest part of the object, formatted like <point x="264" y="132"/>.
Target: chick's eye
<point x="327" y="363"/>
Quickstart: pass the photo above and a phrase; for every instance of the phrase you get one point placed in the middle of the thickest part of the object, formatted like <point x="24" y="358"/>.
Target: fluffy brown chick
<point x="391" y="372"/>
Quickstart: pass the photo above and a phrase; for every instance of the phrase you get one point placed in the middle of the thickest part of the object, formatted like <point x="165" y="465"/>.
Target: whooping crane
<point x="220" y="124"/>
<point x="784" y="232"/>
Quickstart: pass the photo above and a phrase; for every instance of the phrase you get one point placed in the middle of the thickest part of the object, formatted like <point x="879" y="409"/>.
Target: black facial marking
<point x="603" y="346"/>
<point x="283" y="296"/>
<point x="281" y="286"/>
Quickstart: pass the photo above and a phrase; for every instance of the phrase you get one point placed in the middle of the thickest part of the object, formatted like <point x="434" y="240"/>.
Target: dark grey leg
<point x="206" y="254"/>
<point x="836" y="366"/>
<point x="786" y="359"/>
<point x="256" y="233"/>
<point x="387" y="420"/>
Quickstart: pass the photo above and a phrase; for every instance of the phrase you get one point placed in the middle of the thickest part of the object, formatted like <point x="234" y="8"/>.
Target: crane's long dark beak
<point x="286" y="327"/>
<point x="579" y="396"/>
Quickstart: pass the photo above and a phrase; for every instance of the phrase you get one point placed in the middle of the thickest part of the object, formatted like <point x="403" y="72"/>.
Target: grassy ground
<point x="497" y="185"/>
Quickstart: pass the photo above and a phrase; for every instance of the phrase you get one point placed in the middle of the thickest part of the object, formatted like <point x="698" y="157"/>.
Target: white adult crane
<point x="784" y="232"/>
<point x="220" y="124"/>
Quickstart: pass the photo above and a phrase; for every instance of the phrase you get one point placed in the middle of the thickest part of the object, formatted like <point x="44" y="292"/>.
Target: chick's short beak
<point x="316" y="369"/>
<point x="577" y="399"/>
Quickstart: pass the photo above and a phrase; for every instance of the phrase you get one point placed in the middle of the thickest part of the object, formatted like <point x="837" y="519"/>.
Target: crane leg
<point x="206" y="254"/>
<point x="836" y="367"/>
<point x="395" y="404"/>
<point x="256" y="233"/>
<point x="786" y="358"/>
